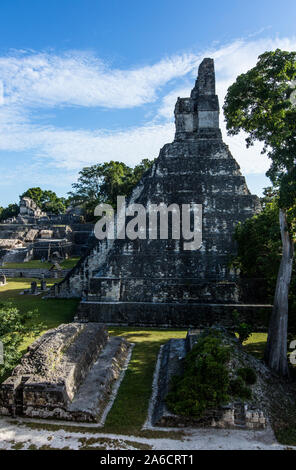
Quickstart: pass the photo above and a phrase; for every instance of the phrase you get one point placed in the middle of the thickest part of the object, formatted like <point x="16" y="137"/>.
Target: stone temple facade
<point x="157" y="282"/>
<point x="28" y="208"/>
<point x="34" y="234"/>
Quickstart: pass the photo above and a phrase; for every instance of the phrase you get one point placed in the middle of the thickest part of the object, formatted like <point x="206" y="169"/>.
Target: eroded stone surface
<point x="67" y="373"/>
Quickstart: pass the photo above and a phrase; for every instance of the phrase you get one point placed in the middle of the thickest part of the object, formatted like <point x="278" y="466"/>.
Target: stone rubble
<point x="273" y="399"/>
<point x="68" y="373"/>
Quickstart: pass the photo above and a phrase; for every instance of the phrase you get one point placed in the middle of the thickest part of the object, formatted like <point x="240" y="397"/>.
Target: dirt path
<point x="16" y="435"/>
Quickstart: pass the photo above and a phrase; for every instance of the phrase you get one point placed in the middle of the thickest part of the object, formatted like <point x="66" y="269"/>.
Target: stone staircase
<point x="239" y="415"/>
<point x="93" y="395"/>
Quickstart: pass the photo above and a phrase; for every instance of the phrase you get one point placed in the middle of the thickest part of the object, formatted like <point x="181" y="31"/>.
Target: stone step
<point x="93" y="395"/>
<point x="171" y="314"/>
<point x="239" y="415"/>
<point x="171" y="364"/>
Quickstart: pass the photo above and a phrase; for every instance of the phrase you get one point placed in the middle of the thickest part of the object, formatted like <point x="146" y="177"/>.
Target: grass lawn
<point x="66" y="264"/>
<point x="51" y="312"/>
<point x="129" y="411"/>
<point x="255" y="344"/>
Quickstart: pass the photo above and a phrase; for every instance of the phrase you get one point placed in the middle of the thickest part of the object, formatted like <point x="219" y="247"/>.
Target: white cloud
<point x="84" y="80"/>
<point x="46" y="80"/>
<point x="74" y="149"/>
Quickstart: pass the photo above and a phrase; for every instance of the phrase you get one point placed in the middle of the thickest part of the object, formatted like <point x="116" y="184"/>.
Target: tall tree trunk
<point x="276" y="348"/>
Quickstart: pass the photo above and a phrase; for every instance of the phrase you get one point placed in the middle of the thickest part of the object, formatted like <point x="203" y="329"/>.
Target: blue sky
<point x="86" y="81"/>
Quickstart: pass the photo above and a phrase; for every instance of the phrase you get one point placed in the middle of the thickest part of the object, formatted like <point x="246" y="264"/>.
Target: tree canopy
<point x="261" y="103"/>
<point x="47" y="200"/>
<point x="14" y="327"/>
<point x="260" y="250"/>
<point x="11" y="210"/>
<point x="103" y="182"/>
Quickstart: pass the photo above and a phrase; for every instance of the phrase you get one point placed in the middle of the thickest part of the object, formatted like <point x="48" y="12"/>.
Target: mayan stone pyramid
<point x="157" y="282"/>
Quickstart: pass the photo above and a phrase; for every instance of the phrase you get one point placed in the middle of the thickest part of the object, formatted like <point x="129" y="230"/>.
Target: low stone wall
<point x="52" y="369"/>
<point x="37" y="273"/>
<point x="179" y="315"/>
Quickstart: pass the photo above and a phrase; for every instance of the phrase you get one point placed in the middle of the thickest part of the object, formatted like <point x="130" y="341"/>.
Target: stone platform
<point x="234" y="415"/>
<point x="181" y="315"/>
<point x="67" y="374"/>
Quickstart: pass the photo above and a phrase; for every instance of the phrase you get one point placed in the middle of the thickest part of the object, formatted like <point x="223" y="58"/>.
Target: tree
<point x="14" y="326"/>
<point x="11" y="210"/>
<point x="104" y="182"/>
<point x="35" y="194"/>
<point x="47" y="200"/>
<point x="259" y="251"/>
<point x="260" y="102"/>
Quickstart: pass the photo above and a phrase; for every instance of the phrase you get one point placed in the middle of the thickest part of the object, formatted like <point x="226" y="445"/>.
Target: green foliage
<point x="104" y="182"/>
<point x="238" y="389"/>
<point x="261" y="103"/>
<point x="260" y="249"/>
<point x="205" y="382"/>
<point x="259" y="243"/>
<point x="248" y="375"/>
<point x="14" y="326"/>
<point x="48" y="201"/>
<point x="11" y="210"/>
<point x="244" y="330"/>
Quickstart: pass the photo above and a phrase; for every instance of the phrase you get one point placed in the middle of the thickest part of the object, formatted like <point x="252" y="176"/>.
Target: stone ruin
<point x="68" y="374"/>
<point x="236" y="414"/>
<point x="28" y="208"/>
<point x="34" y="234"/>
<point x="35" y="289"/>
<point x="157" y="282"/>
<point x="272" y="399"/>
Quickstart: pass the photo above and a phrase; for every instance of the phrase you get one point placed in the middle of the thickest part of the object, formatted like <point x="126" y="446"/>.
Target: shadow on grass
<point x="256" y="349"/>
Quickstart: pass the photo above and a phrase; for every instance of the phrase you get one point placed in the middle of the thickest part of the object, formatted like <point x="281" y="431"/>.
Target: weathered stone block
<point x="68" y="373"/>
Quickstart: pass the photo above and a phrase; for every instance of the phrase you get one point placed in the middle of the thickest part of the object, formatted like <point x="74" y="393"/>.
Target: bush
<point x="205" y="382"/>
<point x="244" y="330"/>
<point x="248" y="375"/>
<point x="14" y="326"/>
<point x="238" y="389"/>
